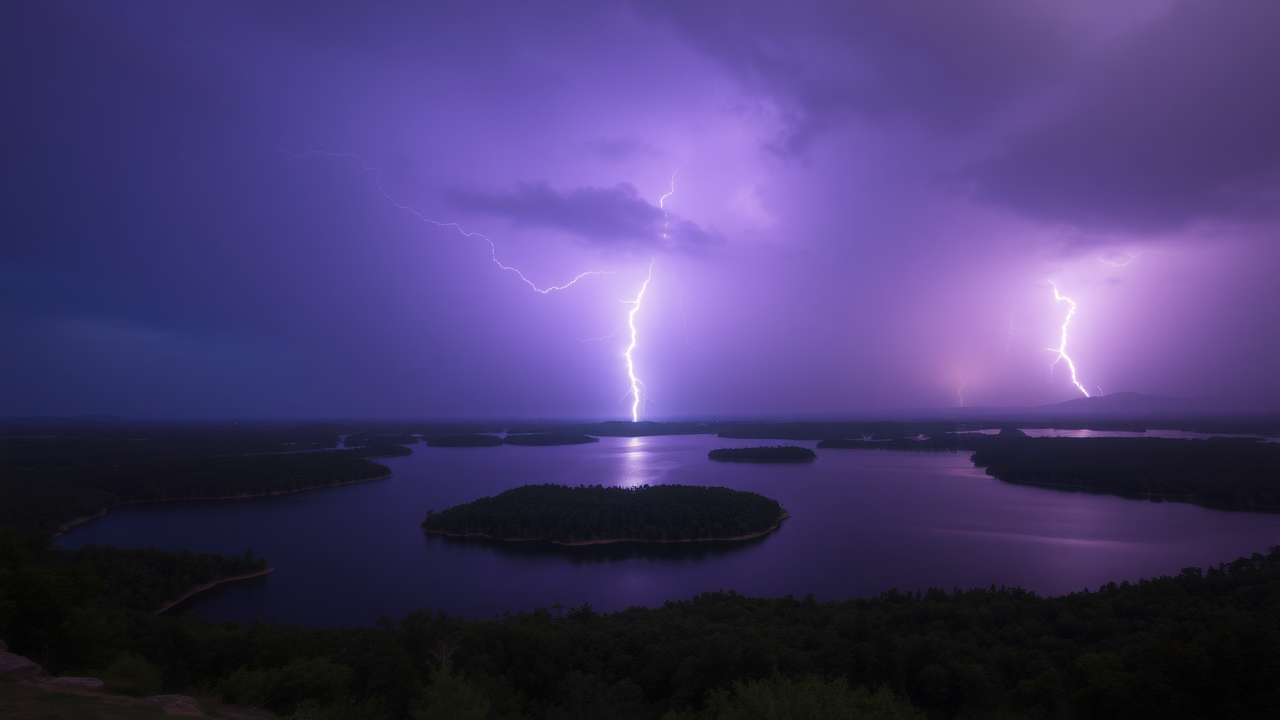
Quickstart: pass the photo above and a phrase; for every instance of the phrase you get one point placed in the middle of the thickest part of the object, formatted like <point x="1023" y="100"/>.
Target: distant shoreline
<point x="209" y="585"/>
<point x="777" y="524"/>
<point x="66" y="527"/>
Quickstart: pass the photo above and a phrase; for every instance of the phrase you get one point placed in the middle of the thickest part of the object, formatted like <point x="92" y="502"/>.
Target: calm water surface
<point x="862" y="522"/>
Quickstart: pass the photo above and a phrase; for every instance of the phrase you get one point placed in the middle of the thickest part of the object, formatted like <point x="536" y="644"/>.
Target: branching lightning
<point x="469" y="235"/>
<point x="637" y="387"/>
<point x="1129" y="257"/>
<point x="1061" y="350"/>
<point x="960" y="391"/>
<point x="602" y="337"/>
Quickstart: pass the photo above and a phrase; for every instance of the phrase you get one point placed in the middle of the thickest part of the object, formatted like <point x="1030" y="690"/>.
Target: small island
<point x="541" y="439"/>
<point x="465" y="441"/>
<point x="772" y="454"/>
<point x="594" y="514"/>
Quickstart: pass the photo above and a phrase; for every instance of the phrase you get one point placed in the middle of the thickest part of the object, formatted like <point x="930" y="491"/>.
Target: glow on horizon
<point x="637" y="387"/>
<point x="1062" y="345"/>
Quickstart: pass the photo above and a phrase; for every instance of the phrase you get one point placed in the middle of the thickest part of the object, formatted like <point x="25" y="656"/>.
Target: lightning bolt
<point x="637" y="387"/>
<point x="662" y="203"/>
<point x="960" y="391"/>
<point x="602" y="337"/>
<point x="493" y="249"/>
<point x="1062" y="345"/>
<point x="1129" y="257"/>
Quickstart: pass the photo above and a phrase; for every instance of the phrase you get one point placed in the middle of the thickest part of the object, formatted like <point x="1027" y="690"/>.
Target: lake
<point x="862" y="522"/>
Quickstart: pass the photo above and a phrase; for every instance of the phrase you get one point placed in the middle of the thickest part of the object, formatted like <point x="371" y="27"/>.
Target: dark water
<point x="862" y="522"/>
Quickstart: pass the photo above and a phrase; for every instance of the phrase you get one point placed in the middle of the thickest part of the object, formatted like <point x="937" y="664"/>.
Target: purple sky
<point x="242" y="209"/>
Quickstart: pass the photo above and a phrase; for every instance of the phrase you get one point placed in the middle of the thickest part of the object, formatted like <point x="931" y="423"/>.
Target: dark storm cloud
<point x="616" y="215"/>
<point x="1177" y="122"/>
<point x="948" y="65"/>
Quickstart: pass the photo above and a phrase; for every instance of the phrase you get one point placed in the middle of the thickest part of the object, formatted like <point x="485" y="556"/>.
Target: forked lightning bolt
<point x="637" y="387"/>
<point x="1062" y="345"/>
<point x="493" y="250"/>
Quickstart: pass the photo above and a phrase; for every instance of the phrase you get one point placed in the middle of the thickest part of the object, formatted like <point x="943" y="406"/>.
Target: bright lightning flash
<point x="1062" y="345"/>
<point x="637" y="387"/>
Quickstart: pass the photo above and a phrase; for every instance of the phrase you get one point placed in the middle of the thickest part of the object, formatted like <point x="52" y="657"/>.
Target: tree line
<point x="1216" y="472"/>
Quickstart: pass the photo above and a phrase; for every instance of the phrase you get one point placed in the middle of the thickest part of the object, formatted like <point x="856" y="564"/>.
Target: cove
<point x="862" y="522"/>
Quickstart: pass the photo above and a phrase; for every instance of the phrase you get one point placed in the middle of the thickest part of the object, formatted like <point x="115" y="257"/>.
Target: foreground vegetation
<point x="773" y="454"/>
<point x="594" y="514"/>
<point x="1195" y="645"/>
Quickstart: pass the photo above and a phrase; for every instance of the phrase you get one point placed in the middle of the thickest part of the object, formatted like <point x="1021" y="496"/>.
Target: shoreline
<point x="777" y="524"/>
<point x="208" y="586"/>
<point x="66" y="527"/>
<point x="1149" y="497"/>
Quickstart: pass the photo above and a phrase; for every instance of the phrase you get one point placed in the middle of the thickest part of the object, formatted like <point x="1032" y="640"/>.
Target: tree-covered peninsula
<point x="772" y="454"/>
<point x="1242" y="473"/>
<point x="594" y="514"/>
<point x="52" y="480"/>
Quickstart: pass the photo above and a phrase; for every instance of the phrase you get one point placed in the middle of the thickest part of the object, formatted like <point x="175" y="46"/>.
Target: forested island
<point x="541" y="439"/>
<point x="772" y="454"/>
<point x="1217" y="472"/>
<point x="593" y="514"/>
